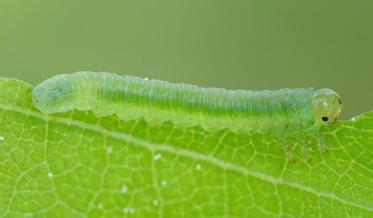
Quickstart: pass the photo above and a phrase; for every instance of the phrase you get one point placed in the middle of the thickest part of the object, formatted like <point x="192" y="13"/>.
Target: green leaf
<point x="75" y="165"/>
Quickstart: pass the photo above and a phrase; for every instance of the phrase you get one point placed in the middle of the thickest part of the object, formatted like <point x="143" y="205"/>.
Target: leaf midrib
<point x="185" y="153"/>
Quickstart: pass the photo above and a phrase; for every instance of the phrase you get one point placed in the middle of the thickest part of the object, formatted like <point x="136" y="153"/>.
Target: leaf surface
<point x="75" y="165"/>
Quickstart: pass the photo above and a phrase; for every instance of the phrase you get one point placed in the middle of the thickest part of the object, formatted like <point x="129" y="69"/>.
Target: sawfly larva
<point x="285" y="113"/>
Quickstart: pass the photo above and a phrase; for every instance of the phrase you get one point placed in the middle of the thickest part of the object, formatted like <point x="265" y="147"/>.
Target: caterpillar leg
<point x="288" y="150"/>
<point x="320" y="142"/>
<point x="318" y="137"/>
<point x="304" y="149"/>
<point x="289" y="155"/>
<point x="303" y="146"/>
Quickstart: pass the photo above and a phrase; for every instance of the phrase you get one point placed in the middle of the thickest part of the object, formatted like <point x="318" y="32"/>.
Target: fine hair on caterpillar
<point x="285" y="113"/>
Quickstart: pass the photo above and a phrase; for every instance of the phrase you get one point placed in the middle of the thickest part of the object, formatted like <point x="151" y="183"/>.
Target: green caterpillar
<point x="294" y="113"/>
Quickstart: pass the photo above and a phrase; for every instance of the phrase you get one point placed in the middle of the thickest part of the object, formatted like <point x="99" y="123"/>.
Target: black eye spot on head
<point x="325" y="119"/>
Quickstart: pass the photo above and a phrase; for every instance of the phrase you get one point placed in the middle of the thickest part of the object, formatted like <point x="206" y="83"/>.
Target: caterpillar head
<point x="326" y="106"/>
<point x="54" y="95"/>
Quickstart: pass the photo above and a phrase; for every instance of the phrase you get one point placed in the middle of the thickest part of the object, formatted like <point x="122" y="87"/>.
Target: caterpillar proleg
<point x="283" y="113"/>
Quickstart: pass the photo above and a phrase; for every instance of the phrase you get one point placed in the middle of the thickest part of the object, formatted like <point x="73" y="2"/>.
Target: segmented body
<point x="185" y="105"/>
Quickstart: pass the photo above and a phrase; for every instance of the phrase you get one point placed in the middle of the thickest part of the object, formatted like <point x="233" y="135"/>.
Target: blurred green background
<point x="265" y="44"/>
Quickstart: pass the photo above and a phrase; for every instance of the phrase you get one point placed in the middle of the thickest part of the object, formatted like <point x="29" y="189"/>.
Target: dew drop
<point x="109" y="150"/>
<point x="50" y="175"/>
<point x="155" y="202"/>
<point x="198" y="167"/>
<point x="129" y="210"/>
<point x="157" y="157"/>
<point x="125" y="210"/>
<point x="2" y="138"/>
<point x="124" y="189"/>
<point x="163" y="182"/>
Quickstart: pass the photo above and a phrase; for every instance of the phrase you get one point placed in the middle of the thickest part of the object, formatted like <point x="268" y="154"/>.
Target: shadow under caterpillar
<point x="284" y="113"/>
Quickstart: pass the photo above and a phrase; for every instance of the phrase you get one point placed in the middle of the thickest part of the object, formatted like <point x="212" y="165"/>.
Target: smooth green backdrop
<point x="265" y="44"/>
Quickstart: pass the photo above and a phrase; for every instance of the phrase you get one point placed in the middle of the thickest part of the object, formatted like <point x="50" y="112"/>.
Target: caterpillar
<point x="285" y="113"/>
